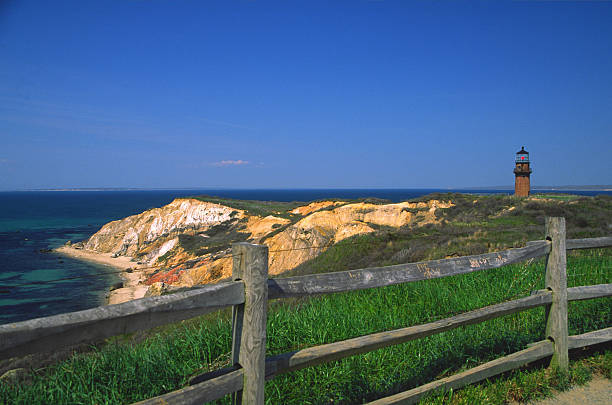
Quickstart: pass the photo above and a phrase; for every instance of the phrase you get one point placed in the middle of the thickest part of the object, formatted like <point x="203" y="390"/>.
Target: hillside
<point x="188" y="241"/>
<point x="472" y="225"/>
<point x="134" y="367"/>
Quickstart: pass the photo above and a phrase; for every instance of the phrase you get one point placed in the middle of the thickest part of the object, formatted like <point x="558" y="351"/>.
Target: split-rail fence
<point x="251" y="289"/>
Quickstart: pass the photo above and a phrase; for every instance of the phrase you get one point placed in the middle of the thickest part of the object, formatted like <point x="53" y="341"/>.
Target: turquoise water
<point x="33" y="221"/>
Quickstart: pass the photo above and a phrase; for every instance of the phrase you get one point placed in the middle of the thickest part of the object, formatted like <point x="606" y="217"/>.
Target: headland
<point x="188" y="242"/>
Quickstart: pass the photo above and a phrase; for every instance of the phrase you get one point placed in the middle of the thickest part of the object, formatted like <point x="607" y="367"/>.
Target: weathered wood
<point x="200" y="393"/>
<point x="535" y="351"/>
<point x="237" y="319"/>
<point x="287" y="362"/>
<point x="252" y="350"/>
<point x="589" y="291"/>
<point x="538" y="351"/>
<point x="556" y="281"/>
<point x="334" y="351"/>
<point x="400" y="273"/>
<point x="591" y="338"/>
<point x="589" y="243"/>
<point x="49" y="333"/>
<point x="213" y="374"/>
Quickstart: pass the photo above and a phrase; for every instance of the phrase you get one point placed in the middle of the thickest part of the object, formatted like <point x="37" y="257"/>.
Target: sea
<point x="35" y="282"/>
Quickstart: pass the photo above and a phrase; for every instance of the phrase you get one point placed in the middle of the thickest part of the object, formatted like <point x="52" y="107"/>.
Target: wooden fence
<point x="250" y="290"/>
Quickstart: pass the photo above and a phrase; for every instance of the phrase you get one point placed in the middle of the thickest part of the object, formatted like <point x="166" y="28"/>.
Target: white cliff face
<point x="167" y="246"/>
<point x="185" y="214"/>
<point x="127" y="236"/>
<point x="156" y="232"/>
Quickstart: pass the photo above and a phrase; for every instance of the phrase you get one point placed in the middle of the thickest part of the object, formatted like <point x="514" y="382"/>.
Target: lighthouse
<point x="521" y="173"/>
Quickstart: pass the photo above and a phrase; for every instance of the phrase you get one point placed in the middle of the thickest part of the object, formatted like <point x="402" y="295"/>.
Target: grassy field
<point x="530" y="383"/>
<point x="261" y="208"/>
<point x="124" y="371"/>
<point x="221" y="236"/>
<point x="276" y="208"/>
<point x="475" y="225"/>
<point x="130" y="368"/>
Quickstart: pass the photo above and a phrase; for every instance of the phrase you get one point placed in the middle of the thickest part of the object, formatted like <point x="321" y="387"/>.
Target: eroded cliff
<point x="189" y="240"/>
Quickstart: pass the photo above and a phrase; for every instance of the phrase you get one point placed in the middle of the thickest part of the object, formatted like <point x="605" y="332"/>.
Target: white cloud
<point x="238" y="162"/>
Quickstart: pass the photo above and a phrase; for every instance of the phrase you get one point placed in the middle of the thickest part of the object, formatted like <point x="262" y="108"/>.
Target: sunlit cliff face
<point x="153" y="237"/>
<point x="127" y="236"/>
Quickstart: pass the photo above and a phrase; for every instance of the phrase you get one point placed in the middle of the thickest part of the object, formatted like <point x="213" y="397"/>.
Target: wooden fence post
<point x="250" y="264"/>
<point x="556" y="281"/>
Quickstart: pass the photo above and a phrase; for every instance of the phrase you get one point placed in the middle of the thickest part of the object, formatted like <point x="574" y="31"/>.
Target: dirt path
<point x="597" y="392"/>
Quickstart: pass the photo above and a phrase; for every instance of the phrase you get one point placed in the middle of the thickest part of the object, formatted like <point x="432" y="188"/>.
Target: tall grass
<point x="123" y="371"/>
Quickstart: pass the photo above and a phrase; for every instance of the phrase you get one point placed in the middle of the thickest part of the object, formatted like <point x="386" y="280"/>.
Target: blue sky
<point x="294" y="94"/>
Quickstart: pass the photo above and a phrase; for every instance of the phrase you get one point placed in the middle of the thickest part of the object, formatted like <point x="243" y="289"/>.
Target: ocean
<point x="32" y="222"/>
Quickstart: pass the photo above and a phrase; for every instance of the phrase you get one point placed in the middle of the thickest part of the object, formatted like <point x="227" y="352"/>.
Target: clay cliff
<point x="188" y="241"/>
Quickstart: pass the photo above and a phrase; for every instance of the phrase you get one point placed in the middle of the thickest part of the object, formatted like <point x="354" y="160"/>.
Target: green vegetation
<point x="165" y="256"/>
<point x="124" y="372"/>
<point x="216" y="238"/>
<point x="475" y="225"/>
<point x="530" y="383"/>
<point x="260" y="208"/>
<point x="276" y="208"/>
<point x="563" y="197"/>
<point x="131" y="368"/>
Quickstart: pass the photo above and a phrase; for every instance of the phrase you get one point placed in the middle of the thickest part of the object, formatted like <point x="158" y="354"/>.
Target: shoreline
<point x="133" y="287"/>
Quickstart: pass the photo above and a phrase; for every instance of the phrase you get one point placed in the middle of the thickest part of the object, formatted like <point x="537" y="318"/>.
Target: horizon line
<point x="587" y="187"/>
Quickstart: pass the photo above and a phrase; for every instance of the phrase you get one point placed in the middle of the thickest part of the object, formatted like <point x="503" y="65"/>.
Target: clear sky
<point x="300" y="94"/>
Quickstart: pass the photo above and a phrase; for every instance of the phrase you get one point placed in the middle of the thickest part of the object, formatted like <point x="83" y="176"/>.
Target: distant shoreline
<point x="563" y="189"/>
<point x="509" y="188"/>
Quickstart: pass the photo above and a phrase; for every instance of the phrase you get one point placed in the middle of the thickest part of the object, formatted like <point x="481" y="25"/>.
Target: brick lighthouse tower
<point x="521" y="173"/>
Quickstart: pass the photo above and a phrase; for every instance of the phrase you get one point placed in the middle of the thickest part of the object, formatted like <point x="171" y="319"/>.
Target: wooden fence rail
<point x="49" y="333"/>
<point x="400" y="273"/>
<point x="251" y="288"/>
<point x="312" y="356"/>
<point x="52" y="332"/>
<point x="495" y="367"/>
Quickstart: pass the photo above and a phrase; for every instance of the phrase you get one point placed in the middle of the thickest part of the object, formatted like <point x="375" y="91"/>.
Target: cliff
<point x="188" y="241"/>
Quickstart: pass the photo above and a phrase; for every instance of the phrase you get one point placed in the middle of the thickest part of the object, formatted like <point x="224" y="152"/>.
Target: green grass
<point x="529" y="383"/>
<point x="563" y="197"/>
<point x="260" y="208"/>
<point x="475" y="225"/>
<point x="217" y="238"/>
<point x="278" y="208"/>
<point x="126" y="371"/>
<point x="131" y="368"/>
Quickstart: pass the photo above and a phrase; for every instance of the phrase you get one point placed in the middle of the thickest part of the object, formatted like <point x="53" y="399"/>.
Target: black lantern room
<point x="522" y="156"/>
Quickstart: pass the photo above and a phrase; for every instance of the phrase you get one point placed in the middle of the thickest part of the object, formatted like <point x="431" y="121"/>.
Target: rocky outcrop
<point x="260" y="227"/>
<point x="127" y="236"/>
<point x="310" y="236"/>
<point x="315" y="206"/>
<point x="183" y="238"/>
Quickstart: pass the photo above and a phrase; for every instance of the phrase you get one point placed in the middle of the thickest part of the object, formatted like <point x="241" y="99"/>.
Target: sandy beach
<point x="133" y="286"/>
